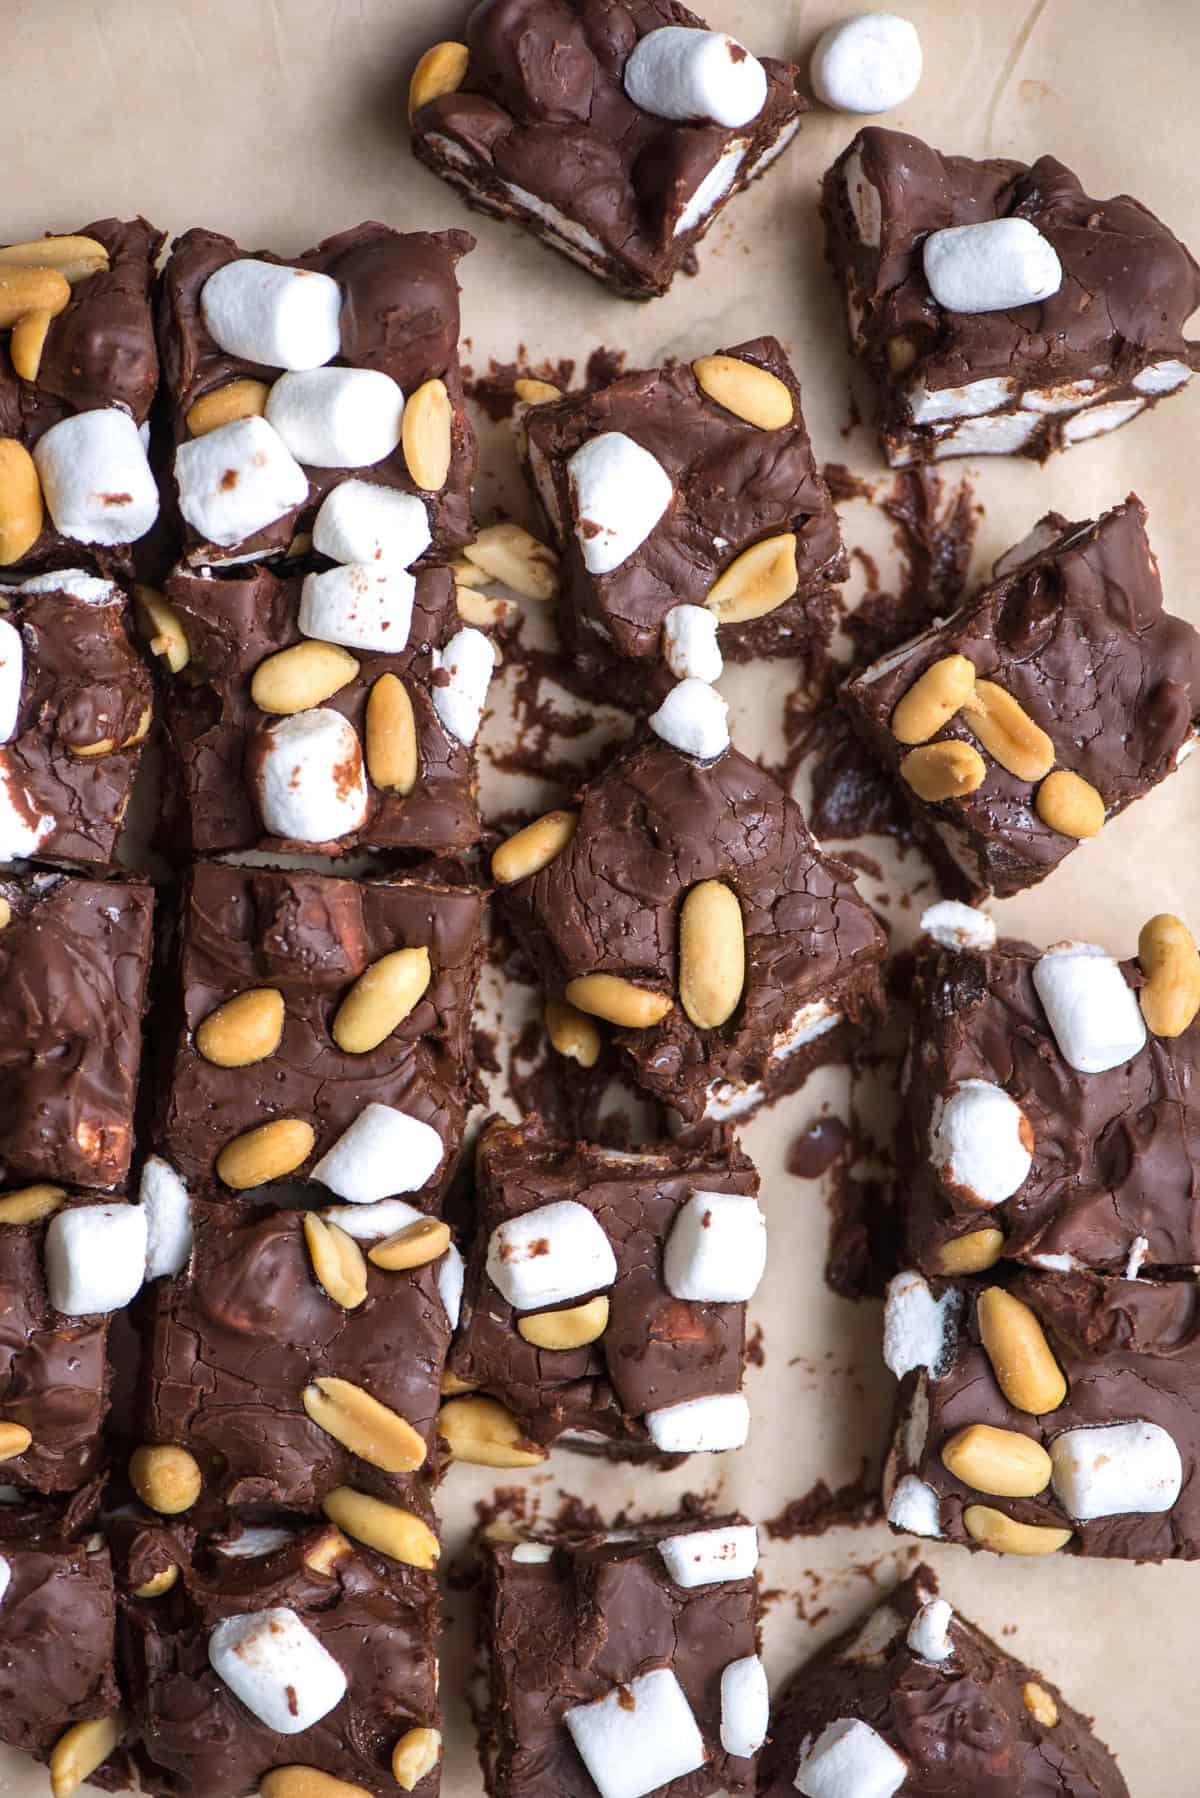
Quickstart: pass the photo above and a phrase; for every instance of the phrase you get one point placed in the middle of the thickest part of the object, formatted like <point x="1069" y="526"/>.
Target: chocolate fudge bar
<point x="367" y="746"/>
<point x="74" y="963"/>
<point x="691" y="517"/>
<point x="689" y="887"/>
<point x="1047" y="1412"/>
<point x="624" y="1664"/>
<point x="314" y="1654"/>
<point x="1056" y="318"/>
<point x="617" y="132"/>
<point x="915" y="1700"/>
<point x="289" y="379"/>
<point x="78" y="372"/>
<point x="628" y="1334"/>
<point x="1041" y="709"/>
<point x="76" y="705"/>
<point x="334" y="1015"/>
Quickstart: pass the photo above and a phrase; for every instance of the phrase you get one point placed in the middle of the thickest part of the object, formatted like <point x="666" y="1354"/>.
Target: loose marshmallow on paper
<point x="95" y="477"/>
<point x="361" y="522"/>
<point x="690" y="644"/>
<point x="279" y="1669"/>
<point x="361" y="606"/>
<point x="549" y="1255"/>
<point x="994" y="266"/>
<point x="680" y="72"/>
<point x="384" y="1151"/>
<point x="745" y="1707"/>
<point x="700" y="1426"/>
<point x="619" y="491"/>
<point x="469" y="660"/>
<point x="337" y="417"/>
<point x="869" y="63"/>
<point x="311" y="784"/>
<point x="711" y="1557"/>
<point x="95" y="1258"/>
<point x="640" y="1736"/>
<point x="164" y="1199"/>
<point x="235" y="481"/>
<point x="1092" y="1011"/>
<point x="694" y="719"/>
<point x="267" y="313"/>
<point x="717" y="1249"/>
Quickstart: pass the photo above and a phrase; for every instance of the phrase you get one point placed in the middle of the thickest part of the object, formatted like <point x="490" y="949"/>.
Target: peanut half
<point x="442" y="70"/>
<point x="947" y="769"/>
<point x="973" y="1253"/>
<point x="364" y="1426"/>
<point x="27" y="343"/>
<point x="21" y="511"/>
<point x="570" y="1329"/>
<point x="1007" y="731"/>
<point x="933" y="699"/>
<point x="81" y="1750"/>
<point x="295" y="679"/>
<point x="30" y="1204"/>
<point x="1170" y="997"/>
<point x="14" y="1440"/>
<point x="246" y="1029"/>
<point x="618" y="1001"/>
<point x="1040" y="1704"/>
<point x="75" y="258"/>
<point x="510" y="555"/>
<point x="159" y="1584"/>
<point x="1003" y="1462"/>
<point x="5" y="913"/>
<point x="532" y="392"/>
<point x="380" y="1000"/>
<point x="572" y="1033"/>
<point x="533" y="848"/>
<point x="391" y="736"/>
<point x="482" y="609"/>
<point x="165" y="1477"/>
<point x="483" y="1432"/>
<point x="328" y="1550"/>
<point x="160" y="625"/>
<point x="749" y="392"/>
<point x="306" y="1782"/>
<point x="386" y="1528"/>
<point x="25" y="290"/>
<point x="225" y="405"/>
<point x="415" y="1755"/>
<point x="268" y="1152"/>
<point x="1015" y="1343"/>
<point x="758" y="581"/>
<point x="425" y="435"/>
<point x="1070" y="805"/>
<point x="712" y="954"/>
<point x="415" y="1245"/>
<point x="1005" y="1536"/>
<point x="337" y="1261"/>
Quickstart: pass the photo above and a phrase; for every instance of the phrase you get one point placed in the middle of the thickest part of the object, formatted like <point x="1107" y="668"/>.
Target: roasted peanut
<point x="618" y="1001"/>
<point x="82" y="1750"/>
<point x="75" y="258"/>
<point x="5" y="913"/>
<point x="570" y="1329"/>
<point x="756" y="582"/>
<point x="972" y="1254"/>
<point x="224" y="405"/>
<point x="165" y="1477"/>
<point x="947" y="769"/>
<point x="268" y="1152"/>
<point x="27" y="343"/>
<point x="141" y="729"/>
<point x="442" y="70"/>
<point x="533" y="848"/>
<point x="380" y="1000"/>
<point x="482" y="609"/>
<point x="425" y="430"/>
<point x="360" y="1423"/>
<point x="452" y="1385"/>
<point x="102" y="746"/>
<point x="159" y="1584"/>
<point x="572" y="1033"/>
<point x="483" y="1432"/>
<point x="415" y="1755"/>
<point x="329" y="1549"/>
<point x="415" y="1245"/>
<point x="466" y="574"/>
<point x="160" y="625"/>
<point x="386" y="1528"/>
<point x="933" y="699"/>
<point x="391" y="736"/>
<point x="25" y="290"/>
<point x="1170" y="997"/>
<point x="295" y="679"/>
<point x="749" y="392"/>
<point x="1040" y="1704"/>
<point x="1070" y="805"/>
<point x="29" y="1204"/>
<point x="246" y="1029"/>
<point x="532" y="392"/>
<point x="1025" y="1369"/>
<point x="1005" y="1536"/>
<point x="15" y="1439"/>
<point x="901" y="354"/>
<point x="337" y="1262"/>
<point x="1007" y="731"/>
<point x="508" y="554"/>
<point x="712" y="954"/>
<point x="22" y="513"/>
<point x="306" y="1782"/>
<point x="1003" y="1462"/>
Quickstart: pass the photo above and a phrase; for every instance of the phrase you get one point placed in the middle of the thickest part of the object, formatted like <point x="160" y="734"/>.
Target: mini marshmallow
<point x="371" y="1223"/>
<point x="1097" y="421"/>
<point x="76" y="583"/>
<point x="266" y="313"/>
<point x="383" y="1152"/>
<point x="690" y="643"/>
<point x="360" y="522"/>
<point x="915" y="1507"/>
<point x="22" y="827"/>
<point x="95" y="1258"/>
<point x="164" y="1199"/>
<point x="95" y="477"/>
<point x="1119" y="1468"/>
<point x="1162" y="377"/>
<point x="717" y="1249"/>
<point x="1092" y="1012"/>
<point x="1137" y="1257"/>
<point x="638" y="1737"/>
<point x="254" y="1542"/>
<point x="12" y="674"/>
<point x="532" y="1554"/>
<point x="991" y="267"/>
<point x="930" y="405"/>
<point x="999" y="434"/>
<point x="680" y="72"/>
<point x="337" y="417"/>
<point x="619" y="492"/>
<point x="311" y="785"/>
<point x="711" y="1557"/>
<point x="700" y="1426"/>
<point x="955" y="926"/>
<point x="712" y="189"/>
<point x="549" y="1255"/>
<point x="237" y="480"/>
<point x="278" y="1668"/>
<point x="979" y="1142"/>
<point x="849" y="1759"/>
<point x="869" y="63"/>
<point x="363" y="606"/>
<point x="745" y="1707"/>
<point x="469" y="659"/>
<point x="929" y="1632"/>
<point x="5" y="1576"/>
<point x="918" y="1330"/>
<point x="694" y="719"/>
<point x="451" y="1277"/>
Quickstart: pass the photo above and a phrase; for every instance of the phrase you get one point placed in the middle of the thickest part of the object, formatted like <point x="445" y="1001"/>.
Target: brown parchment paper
<point x="282" y="120"/>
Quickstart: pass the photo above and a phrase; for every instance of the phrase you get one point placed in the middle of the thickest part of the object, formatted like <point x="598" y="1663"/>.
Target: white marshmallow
<point x="1067" y="396"/>
<point x="549" y="1255"/>
<point x="337" y="417"/>
<point x="360" y="522"/>
<point x="679" y="72"/>
<point x="956" y="926"/>
<point x="1057" y="1264"/>
<point x="694" y="719"/>
<point x="869" y="63"/>
<point x="717" y="1249"/>
<point x="95" y="1258"/>
<point x="690" y="643"/>
<point x="849" y="1759"/>
<point x="470" y="660"/>
<point x="712" y="189"/>
<point x="164" y="1199"/>
<point x="5" y="1576"/>
<point x="281" y="1672"/>
<point x="637" y="1737"/>
<point x="700" y="1426"/>
<point x="915" y="1507"/>
<point x="1120" y="1468"/>
<point x="991" y="267"/>
<point x="281" y="317"/>
<point x="1137" y="1257"/>
<point x="532" y="1554"/>
<point x="371" y="1223"/>
<point x="711" y="1557"/>
<point x="976" y="1142"/>
<point x="1092" y="1012"/>
<point x="918" y="1330"/>
<point x="929" y="1631"/>
<point x="237" y="480"/>
<point x="76" y="583"/>
<point x="999" y="434"/>
<point x="12" y="675"/>
<point x="928" y="405"/>
<point x="384" y="1151"/>
<point x="311" y="785"/>
<point x="96" y="479"/>
<point x="864" y="200"/>
<point x="619" y="491"/>
<point x="1162" y="377"/>
<point x="745" y="1707"/>
<point x="451" y="1277"/>
<point x="1097" y="421"/>
<point x="22" y="828"/>
<point x="362" y="605"/>
<point x="254" y="1542"/>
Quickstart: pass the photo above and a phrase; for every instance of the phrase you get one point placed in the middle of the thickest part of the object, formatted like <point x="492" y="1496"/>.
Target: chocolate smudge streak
<point x="853" y="1505"/>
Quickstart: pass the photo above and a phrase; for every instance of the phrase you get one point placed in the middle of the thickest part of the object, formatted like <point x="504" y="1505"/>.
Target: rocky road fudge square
<point x="318" y="398"/>
<point x="301" y="721"/>
<point x="995" y="306"/>
<point x="624" y="1663"/>
<point x="1024" y="723"/>
<point x="915" y="1700"/>
<point x="616" y="133"/>
<point x="321" y="1032"/>
<point x="691" y="518"/>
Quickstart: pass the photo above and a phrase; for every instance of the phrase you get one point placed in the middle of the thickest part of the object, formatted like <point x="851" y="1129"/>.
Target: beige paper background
<point x="282" y="120"/>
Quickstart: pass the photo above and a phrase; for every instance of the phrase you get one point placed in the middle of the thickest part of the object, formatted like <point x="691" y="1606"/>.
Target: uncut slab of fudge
<point x="74" y="963"/>
<point x="1047" y="1412"/>
<point x="76" y="704"/>
<point x="1056" y="319"/>
<point x="361" y="738"/>
<point x="624" y="1664"/>
<point x="916" y="1701"/>
<point x="1039" y="711"/>
<point x="317" y="1654"/>
<point x="319" y="397"/>
<point x="686" y="902"/>
<point x="321" y="1031"/>
<point x="616" y="133"/>
<point x="691" y="517"/>
<point x="626" y="1332"/>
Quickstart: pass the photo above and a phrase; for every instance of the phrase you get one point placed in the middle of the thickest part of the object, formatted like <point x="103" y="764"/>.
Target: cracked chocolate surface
<point x="962" y="1724"/>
